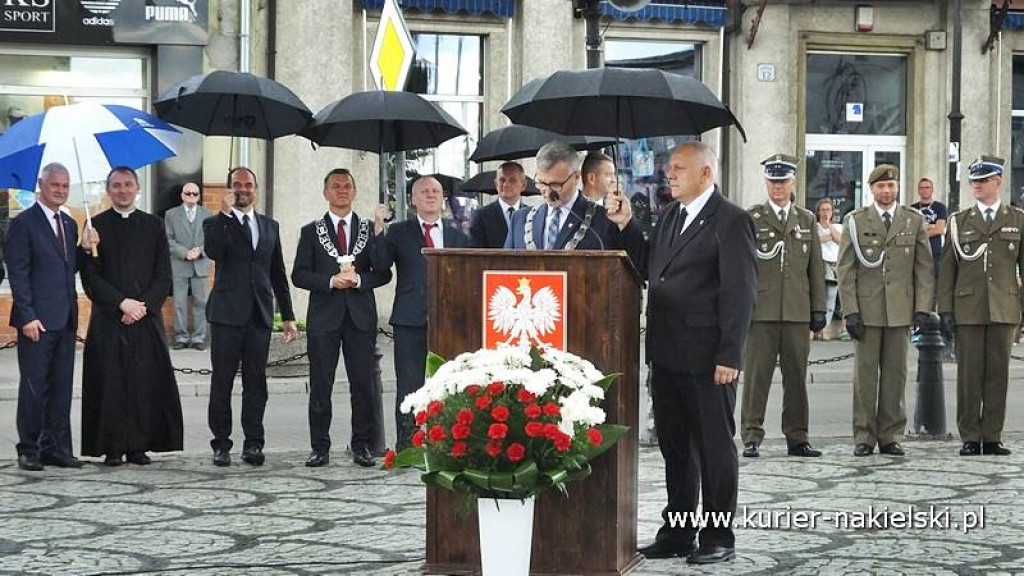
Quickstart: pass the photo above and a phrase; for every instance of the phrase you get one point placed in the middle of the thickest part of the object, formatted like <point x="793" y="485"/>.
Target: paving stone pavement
<point x="181" y="515"/>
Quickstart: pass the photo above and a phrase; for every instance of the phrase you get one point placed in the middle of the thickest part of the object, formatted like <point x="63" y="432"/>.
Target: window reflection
<point x="877" y="83"/>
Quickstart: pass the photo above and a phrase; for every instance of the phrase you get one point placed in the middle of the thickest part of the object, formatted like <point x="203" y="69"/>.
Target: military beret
<point x="985" y="167"/>
<point x="780" y="167"/>
<point x="884" y="172"/>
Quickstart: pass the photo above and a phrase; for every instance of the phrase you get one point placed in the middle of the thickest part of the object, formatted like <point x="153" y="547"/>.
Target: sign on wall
<point x="521" y="307"/>
<point x="98" y="22"/>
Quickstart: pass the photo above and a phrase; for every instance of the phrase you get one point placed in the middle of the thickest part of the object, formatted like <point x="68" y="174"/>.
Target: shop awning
<point x="506" y="8"/>
<point x="706" y="12"/>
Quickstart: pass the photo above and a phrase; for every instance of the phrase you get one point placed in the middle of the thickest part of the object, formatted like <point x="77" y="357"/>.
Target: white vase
<point x="506" y="535"/>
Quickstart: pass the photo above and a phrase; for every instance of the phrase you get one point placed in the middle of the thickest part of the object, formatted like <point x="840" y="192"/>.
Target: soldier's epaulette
<point x="804" y="211"/>
<point x="856" y="212"/>
<point x="1017" y="208"/>
<point x="915" y="210"/>
<point x="963" y="211"/>
<point x="756" y="208"/>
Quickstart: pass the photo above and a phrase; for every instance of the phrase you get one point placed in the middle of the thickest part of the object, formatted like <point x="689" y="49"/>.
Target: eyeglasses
<point x="191" y="193"/>
<point x="555" y="187"/>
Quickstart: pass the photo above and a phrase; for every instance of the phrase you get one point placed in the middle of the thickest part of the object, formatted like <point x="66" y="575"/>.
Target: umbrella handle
<point x="94" y="248"/>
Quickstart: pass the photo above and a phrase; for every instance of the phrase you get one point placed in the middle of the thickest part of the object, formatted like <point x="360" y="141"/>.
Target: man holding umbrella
<point x="490" y="224"/>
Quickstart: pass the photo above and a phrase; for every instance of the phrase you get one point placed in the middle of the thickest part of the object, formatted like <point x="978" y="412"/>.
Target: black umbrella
<point x="484" y="182"/>
<point x="382" y="122"/>
<point x="514" y="142"/>
<point x="224" y="103"/>
<point x="619" y="102"/>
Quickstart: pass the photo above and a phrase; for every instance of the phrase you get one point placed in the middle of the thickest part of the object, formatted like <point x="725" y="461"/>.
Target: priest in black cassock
<point x="130" y="402"/>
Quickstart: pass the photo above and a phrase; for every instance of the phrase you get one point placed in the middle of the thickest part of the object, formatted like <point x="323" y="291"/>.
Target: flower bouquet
<point x="507" y="423"/>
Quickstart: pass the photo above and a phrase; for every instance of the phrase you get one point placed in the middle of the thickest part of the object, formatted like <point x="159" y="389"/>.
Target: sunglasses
<point x="191" y="193"/>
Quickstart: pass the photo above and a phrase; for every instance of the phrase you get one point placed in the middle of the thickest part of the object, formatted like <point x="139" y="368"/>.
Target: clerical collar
<point x="125" y="213"/>
<point x="994" y="207"/>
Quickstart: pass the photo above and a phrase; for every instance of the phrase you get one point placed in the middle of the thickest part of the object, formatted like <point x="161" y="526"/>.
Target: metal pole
<point x="592" y="17"/>
<point x="930" y="410"/>
<point x="955" y="116"/>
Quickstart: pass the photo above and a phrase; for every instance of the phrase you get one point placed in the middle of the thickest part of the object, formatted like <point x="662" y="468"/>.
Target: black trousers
<point x="230" y="346"/>
<point x="694" y="419"/>
<point x="324" y="347"/>
<point x="44" y="392"/>
<point x="410" y="370"/>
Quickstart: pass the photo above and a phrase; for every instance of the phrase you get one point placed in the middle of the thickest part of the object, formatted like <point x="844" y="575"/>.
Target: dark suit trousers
<point x="324" y="348"/>
<point x="44" y="392"/>
<point x="230" y="346"/>
<point x="410" y="370"/>
<point x="694" y="419"/>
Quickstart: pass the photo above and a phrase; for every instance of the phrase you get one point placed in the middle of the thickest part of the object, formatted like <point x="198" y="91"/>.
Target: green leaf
<point x="610" y="435"/>
<point x="537" y="362"/>
<point x="411" y="458"/>
<point x="606" y="382"/>
<point x="433" y="363"/>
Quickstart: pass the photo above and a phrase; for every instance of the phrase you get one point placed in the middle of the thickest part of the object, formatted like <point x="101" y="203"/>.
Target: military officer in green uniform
<point x="885" y="285"/>
<point x="790" y="300"/>
<point x="978" y="297"/>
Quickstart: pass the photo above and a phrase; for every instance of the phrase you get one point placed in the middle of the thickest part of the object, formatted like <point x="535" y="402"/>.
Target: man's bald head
<point x="428" y="198"/>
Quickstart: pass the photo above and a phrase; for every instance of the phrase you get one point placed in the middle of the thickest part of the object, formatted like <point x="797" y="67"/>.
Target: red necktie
<point x="60" y="236"/>
<point x="342" y="239"/>
<point x="426" y="234"/>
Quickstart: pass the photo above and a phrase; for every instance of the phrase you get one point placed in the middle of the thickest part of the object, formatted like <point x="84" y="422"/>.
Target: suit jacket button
<point x="662" y="279"/>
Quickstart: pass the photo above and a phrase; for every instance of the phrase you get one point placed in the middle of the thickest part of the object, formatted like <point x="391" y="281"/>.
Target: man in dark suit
<point x="401" y="247"/>
<point x="567" y="220"/>
<point x="333" y="263"/>
<point x="42" y="261"/>
<point x="703" y="282"/>
<point x="490" y="223"/>
<point x="250" y="274"/>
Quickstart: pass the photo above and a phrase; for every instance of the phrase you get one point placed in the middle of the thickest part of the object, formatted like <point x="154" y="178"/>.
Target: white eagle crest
<point x="527" y="319"/>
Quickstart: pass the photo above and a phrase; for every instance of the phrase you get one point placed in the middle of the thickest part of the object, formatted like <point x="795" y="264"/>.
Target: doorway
<point x="838" y="166"/>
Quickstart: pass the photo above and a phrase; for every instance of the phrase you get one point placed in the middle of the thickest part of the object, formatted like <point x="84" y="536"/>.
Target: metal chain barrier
<point x="839" y="358"/>
<point x="1018" y="358"/>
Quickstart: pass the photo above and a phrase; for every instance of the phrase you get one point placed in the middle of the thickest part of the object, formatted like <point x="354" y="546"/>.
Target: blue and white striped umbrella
<point x="88" y="138"/>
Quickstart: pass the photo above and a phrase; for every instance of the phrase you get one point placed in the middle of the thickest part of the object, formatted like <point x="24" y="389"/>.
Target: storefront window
<point x="1016" y="159"/>
<point x="449" y="70"/>
<point x="856" y="94"/>
<point x="639" y="162"/>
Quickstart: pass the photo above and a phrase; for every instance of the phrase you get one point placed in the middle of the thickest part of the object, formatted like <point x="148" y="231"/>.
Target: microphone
<point x="590" y="230"/>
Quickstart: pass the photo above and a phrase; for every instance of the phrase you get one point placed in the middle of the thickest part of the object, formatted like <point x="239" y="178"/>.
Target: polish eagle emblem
<point x="526" y="317"/>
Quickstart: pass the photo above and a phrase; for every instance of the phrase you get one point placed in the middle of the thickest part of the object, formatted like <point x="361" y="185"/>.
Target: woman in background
<point x="829" y="234"/>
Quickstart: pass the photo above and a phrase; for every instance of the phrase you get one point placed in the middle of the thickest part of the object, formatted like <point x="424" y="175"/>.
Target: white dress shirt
<point x="253" y="226"/>
<point x="695" y="206"/>
<point x="435" y="233"/>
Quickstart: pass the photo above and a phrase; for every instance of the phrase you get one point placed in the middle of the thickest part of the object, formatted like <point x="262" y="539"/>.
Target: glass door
<point x="838" y="166"/>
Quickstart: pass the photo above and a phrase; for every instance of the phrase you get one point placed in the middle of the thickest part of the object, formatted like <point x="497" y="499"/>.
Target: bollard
<point x="378" y="442"/>
<point x="930" y="411"/>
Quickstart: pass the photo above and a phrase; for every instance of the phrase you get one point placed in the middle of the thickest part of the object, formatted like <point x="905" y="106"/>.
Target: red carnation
<point x="458" y="449"/>
<point x="595" y="436"/>
<point x="562" y="442"/>
<point x="418" y="437"/>
<point x="421" y="418"/>
<point x="460" y="431"/>
<point x="552" y="409"/>
<point x="389" y="459"/>
<point x="437" y="433"/>
<point x="493" y="449"/>
<point x="434" y="408"/>
<point x="515" y="452"/>
<point x="533" y="411"/>
<point x="465" y="416"/>
<point x="525" y="396"/>
<point x="483" y="402"/>
<point x="551" y="431"/>
<point x="534" y="429"/>
<point x="472" y="390"/>
<point x="495" y="388"/>
<point x="500" y="413"/>
<point x="497" y="431"/>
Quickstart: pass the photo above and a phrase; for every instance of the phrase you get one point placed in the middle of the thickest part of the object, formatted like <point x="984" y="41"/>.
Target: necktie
<point x="887" y="220"/>
<point x="191" y="215"/>
<point x="782" y="215"/>
<point x="248" y="230"/>
<point x="427" y="240"/>
<point x="508" y="215"/>
<point x="342" y="238"/>
<point x="988" y="215"/>
<point x="60" y="235"/>
<point x="553" y="227"/>
<point x="677" y="228"/>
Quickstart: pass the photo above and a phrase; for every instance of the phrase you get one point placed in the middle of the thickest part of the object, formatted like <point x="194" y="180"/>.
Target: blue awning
<point x="707" y="12"/>
<point x="1014" y="21"/>
<point x="506" y="8"/>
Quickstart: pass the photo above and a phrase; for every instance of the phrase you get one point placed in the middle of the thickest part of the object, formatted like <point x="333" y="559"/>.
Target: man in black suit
<point x="703" y="283"/>
<point x="401" y="247"/>
<point x="490" y="223"/>
<point x="333" y="263"/>
<point x="250" y="273"/>
<point x="567" y="220"/>
<point x="42" y="261"/>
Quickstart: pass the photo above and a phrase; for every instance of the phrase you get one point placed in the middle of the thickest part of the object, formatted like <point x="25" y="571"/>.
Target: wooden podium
<point x="593" y="532"/>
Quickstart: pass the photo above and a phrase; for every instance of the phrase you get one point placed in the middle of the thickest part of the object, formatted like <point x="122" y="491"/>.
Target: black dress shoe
<point x="221" y="457"/>
<point x="30" y="462"/>
<point x="60" y="459"/>
<point x="139" y="458"/>
<point x="668" y="549"/>
<point x="995" y="448"/>
<point x="113" y="460"/>
<point x="863" y="450"/>
<point x="892" y="449"/>
<point x="804" y="449"/>
<point x="363" y="457"/>
<point x="317" y="459"/>
<point x="750" y="450"/>
<point x="253" y="456"/>
<point x="712" y="554"/>
<point x="971" y="449"/>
